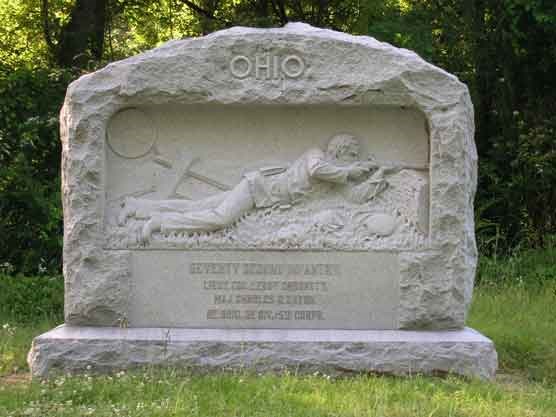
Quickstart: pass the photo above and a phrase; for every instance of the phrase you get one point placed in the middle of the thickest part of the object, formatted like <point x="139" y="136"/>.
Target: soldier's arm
<point x="324" y="170"/>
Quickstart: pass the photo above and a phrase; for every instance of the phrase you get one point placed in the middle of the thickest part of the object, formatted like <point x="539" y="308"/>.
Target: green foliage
<point x="30" y="206"/>
<point x="516" y="189"/>
<point x="531" y="268"/>
<point x="515" y="101"/>
<point x="15" y="340"/>
<point x="20" y="33"/>
<point x="144" y="24"/>
<point x="400" y="23"/>
<point x="31" y="299"/>
<point x="28" y="306"/>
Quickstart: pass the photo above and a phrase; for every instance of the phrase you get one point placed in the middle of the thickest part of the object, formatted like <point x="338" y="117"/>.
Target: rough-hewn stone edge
<point x="101" y="349"/>
<point x="182" y="72"/>
<point x="103" y="301"/>
<point x="431" y="292"/>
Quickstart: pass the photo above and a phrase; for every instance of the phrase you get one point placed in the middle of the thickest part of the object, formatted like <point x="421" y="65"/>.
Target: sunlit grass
<point x="522" y="323"/>
<point x="169" y="394"/>
<point x="15" y="341"/>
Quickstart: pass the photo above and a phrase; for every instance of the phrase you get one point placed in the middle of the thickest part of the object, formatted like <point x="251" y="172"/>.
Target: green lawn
<point x="166" y="394"/>
<point x="522" y="324"/>
<point x="520" y="318"/>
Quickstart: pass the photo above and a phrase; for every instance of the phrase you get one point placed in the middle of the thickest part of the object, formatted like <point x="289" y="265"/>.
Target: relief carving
<point x="131" y="134"/>
<point x="325" y="199"/>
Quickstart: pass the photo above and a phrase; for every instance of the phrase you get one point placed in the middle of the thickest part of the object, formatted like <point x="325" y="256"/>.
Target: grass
<point x="522" y="323"/>
<point x="169" y="394"/>
<point x="515" y="305"/>
<point x="15" y="341"/>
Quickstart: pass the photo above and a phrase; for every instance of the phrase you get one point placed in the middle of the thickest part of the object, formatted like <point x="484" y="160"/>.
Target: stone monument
<point x="268" y="198"/>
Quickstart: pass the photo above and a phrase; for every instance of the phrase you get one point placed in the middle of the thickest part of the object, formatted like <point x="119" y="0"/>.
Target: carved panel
<point x="324" y="178"/>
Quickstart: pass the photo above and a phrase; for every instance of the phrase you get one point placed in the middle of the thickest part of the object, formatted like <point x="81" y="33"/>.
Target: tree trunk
<point x="82" y="38"/>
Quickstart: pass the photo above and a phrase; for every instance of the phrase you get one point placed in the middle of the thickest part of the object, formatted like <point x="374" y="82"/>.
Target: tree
<point x="82" y="37"/>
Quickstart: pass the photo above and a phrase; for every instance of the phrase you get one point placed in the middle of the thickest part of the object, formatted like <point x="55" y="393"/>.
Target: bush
<point x="532" y="268"/>
<point x="30" y="203"/>
<point x="516" y="196"/>
<point x="30" y="299"/>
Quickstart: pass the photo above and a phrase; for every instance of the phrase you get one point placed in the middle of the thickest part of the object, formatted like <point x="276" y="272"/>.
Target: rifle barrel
<point x="390" y="164"/>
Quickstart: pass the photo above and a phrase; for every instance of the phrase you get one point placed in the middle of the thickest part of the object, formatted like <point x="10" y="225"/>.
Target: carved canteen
<point x="131" y="133"/>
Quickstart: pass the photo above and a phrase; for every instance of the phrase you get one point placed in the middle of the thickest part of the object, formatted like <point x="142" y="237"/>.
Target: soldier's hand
<point x="369" y="165"/>
<point x="357" y="170"/>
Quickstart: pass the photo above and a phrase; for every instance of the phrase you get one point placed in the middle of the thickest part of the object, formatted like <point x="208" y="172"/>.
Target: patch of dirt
<point x="13" y="379"/>
<point x="513" y="381"/>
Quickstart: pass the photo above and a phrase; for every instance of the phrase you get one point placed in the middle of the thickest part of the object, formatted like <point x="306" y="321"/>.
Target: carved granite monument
<point x="268" y="198"/>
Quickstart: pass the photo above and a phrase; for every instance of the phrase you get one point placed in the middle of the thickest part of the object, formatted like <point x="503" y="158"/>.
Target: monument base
<point x="399" y="352"/>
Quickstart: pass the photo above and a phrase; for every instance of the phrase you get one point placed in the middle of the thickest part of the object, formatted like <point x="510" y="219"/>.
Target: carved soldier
<point x="340" y="164"/>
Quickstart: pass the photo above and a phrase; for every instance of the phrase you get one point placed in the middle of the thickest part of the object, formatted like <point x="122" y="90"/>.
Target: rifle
<point x="372" y="163"/>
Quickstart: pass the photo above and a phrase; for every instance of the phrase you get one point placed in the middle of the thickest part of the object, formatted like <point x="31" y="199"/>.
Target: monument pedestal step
<point x="400" y="352"/>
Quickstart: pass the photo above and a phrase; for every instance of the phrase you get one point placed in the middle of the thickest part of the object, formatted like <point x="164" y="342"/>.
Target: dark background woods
<point x="505" y="50"/>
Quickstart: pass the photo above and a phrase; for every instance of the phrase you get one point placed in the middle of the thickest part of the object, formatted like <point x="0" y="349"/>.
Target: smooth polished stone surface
<point x="103" y="349"/>
<point x="262" y="289"/>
